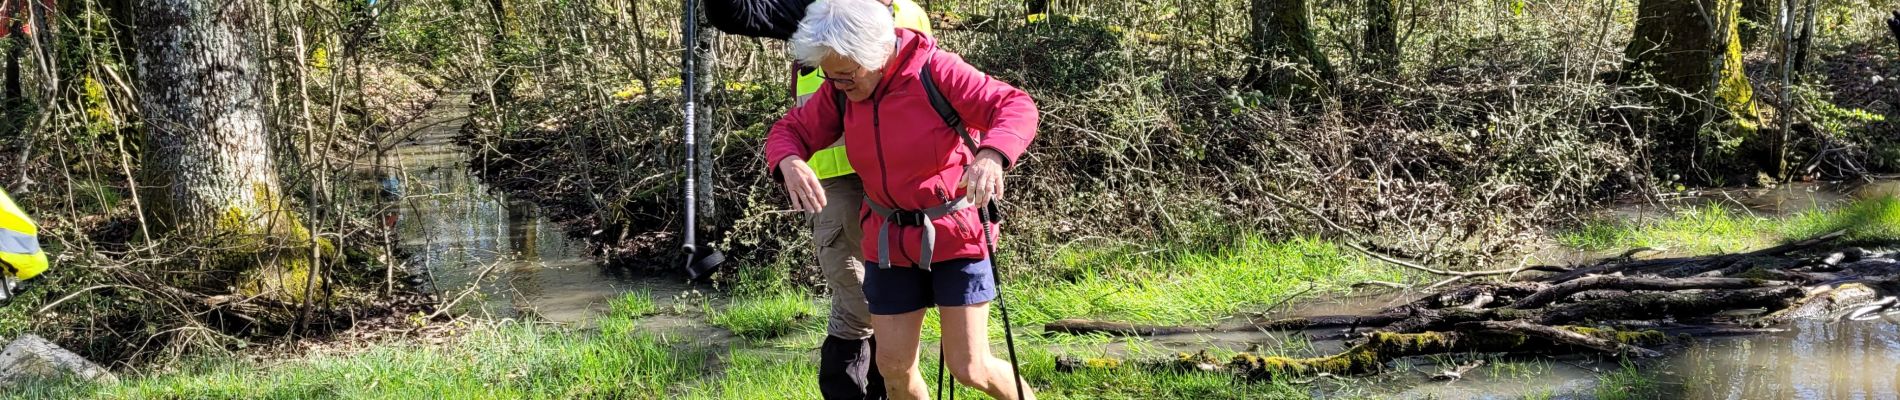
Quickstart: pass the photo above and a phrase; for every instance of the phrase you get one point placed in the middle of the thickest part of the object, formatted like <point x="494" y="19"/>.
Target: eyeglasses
<point x="826" y="75"/>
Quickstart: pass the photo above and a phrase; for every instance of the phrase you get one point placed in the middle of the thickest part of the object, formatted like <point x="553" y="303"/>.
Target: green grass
<point x="767" y="316"/>
<point x="1189" y="286"/>
<point x="1629" y="383"/>
<point x="633" y="305"/>
<point x="1712" y="228"/>
<point x="623" y="359"/>
<point x="1716" y="228"/>
<point x="511" y="361"/>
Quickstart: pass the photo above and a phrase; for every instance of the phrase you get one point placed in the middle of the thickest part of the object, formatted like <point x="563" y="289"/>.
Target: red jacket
<point x="908" y="158"/>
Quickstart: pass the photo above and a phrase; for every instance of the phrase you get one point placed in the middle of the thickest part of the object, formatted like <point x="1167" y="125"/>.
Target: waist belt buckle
<point x="909" y="218"/>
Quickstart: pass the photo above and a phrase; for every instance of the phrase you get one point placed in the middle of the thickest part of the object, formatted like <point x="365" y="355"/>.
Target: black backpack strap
<point x="838" y="100"/>
<point x="944" y="109"/>
<point x="989" y="212"/>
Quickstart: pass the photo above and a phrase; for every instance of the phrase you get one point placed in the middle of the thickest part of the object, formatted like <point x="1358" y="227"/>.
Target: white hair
<point x="859" y="30"/>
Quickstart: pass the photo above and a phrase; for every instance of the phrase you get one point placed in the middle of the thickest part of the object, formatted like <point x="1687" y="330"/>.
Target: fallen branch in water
<point x="1632" y="304"/>
<point x="1458" y="372"/>
<point x="1373" y="352"/>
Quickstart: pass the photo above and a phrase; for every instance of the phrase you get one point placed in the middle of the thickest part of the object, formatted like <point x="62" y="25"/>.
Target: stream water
<point x="494" y="257"/>
<point x="499" y="257"/>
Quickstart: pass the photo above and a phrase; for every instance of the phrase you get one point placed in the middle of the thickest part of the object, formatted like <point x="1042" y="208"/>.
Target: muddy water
<point x="1815" y="360"/>
<point x="499" y="257"/>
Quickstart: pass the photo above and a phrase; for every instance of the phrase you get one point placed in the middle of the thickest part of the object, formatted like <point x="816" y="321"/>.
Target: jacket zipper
<point x="884" y="172"/>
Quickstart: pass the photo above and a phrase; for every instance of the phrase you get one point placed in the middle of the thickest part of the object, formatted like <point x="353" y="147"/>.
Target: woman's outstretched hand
<point x="802" y="185"/>
<point x="983" y="181"/>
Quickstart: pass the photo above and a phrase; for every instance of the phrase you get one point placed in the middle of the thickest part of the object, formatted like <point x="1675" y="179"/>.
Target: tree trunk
<point x="498" y="51"/>
<point x="1676" y="45"/>
<point x="1758" y="20"/>
<point x="1036" y="6"/>
<point x="12" y="99"/>
<point x="1382" y="38"/>
<point x="705" y="58"/>
<point x="208" y="170"/>
<point x="1286" y="58"/>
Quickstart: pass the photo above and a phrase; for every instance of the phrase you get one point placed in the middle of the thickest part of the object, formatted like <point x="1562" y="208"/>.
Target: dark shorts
<point x="949" y="283"/>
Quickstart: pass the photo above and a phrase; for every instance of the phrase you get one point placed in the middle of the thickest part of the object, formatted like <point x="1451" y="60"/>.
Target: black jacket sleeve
<point x="771" y="19"/>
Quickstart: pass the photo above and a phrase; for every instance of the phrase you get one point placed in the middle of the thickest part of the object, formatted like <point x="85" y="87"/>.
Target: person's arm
<point x="770" y="19"/>
<point x="1007" y="116"/>
<point x="804" y="130"/>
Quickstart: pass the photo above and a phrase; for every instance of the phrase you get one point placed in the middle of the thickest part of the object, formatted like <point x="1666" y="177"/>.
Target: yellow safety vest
<point x="832" y="161"/>
<point x="19" y="241"/>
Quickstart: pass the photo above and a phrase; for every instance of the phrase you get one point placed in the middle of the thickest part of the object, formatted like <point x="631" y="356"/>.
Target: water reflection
<point x="1818" y="360"/>
<point x="459" y="234"/>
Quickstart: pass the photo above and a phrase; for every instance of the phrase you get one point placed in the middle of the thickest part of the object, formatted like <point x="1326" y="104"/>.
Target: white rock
<point x="35" y="357"/>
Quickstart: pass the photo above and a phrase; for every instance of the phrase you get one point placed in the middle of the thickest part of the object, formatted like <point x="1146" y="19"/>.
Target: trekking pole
<point x="700" y="261"/>
<point x="690" y="26"/>
<point x="941" y="376"/>
<point x="992" y="218"/>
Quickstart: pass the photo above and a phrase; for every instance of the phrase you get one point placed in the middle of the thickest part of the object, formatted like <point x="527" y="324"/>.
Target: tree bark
<point x="1757" y="17"/>
<point x="1695" y="46"/>
<point x="498" y="51"/>
<point x="1382" y="38"/>
<point x="1287" y="60"/>
<point x="1036" y="6"/>
<point x="209" y="169"/>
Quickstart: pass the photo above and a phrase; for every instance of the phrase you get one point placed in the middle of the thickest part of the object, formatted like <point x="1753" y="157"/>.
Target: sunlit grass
<point x="1194" y="286"/>
<point x="633" y="305"/>
<point x="623" y="359"/>
<point x="1715" y="228"/>
<point x="1629" y="383"/>
<point x="767" y="316"/>
<point x="510" y="361"/>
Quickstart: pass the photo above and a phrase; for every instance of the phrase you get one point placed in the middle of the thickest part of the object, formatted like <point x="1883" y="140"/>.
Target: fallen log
<point x="1825" y="300"/>
<point x="1380" y="348"/>
<point x="1084" y="327"/>
<point x="1458" y="372"/>
<point x="1671" y="305"/>
<point x="1637" y="303"/>
<point x="1076" y="326"/>
<point x="1635" y="306"/>
<point x="1704" y="263"/>
<point x="1328" y="321"/>
<point x="1558" y="292"/>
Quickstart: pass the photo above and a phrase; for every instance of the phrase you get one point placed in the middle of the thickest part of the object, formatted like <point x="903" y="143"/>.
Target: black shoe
<point x="846" y="370"/>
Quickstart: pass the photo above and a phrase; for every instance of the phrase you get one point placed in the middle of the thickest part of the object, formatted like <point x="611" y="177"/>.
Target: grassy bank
<point x="774" y="333"/>
<point x="774" y="354"/>
<point x="1717" y="228"/>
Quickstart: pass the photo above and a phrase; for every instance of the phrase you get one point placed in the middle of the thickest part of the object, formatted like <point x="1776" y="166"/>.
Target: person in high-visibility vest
<point x="20" y="254"/>
<point x="845" y="358"/>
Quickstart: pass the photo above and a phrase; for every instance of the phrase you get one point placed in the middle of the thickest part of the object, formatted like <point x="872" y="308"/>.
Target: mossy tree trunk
<point x="1382" y="38"/>
<point x="209" y="174"/>
<point x="1695" y="46"/>
<point x="1287" y="60"/>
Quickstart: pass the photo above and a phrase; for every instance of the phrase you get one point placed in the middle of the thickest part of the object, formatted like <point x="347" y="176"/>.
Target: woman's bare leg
<point x="966" y="340"/>
<point x="897" y="337"/>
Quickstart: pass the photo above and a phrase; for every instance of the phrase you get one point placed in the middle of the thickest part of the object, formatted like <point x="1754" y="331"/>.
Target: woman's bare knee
<point x="972" y="373"/>
<point x="895" y="366"/>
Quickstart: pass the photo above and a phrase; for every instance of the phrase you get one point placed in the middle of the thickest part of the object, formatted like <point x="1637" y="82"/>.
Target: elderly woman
<point x="922" y="180"/>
